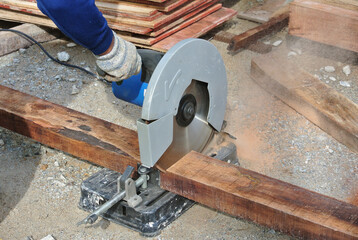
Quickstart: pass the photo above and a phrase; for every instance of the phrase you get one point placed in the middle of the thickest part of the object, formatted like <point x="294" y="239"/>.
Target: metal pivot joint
<point x="126" y="190"/>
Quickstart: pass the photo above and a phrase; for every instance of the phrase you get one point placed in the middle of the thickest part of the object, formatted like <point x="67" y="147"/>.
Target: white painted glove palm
<point x="122" y="62"/>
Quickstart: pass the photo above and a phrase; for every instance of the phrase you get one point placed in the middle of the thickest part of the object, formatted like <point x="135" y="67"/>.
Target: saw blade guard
<point x="189" y="60"/>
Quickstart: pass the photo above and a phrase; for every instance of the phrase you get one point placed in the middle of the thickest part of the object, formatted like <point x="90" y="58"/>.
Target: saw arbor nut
<point x="187" y="110"/>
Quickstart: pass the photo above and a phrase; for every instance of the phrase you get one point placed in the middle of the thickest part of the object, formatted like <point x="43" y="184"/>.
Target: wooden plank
<point x="251" y="36"/>
<point x="128" y="10"/>
<point x="145" y="40"/>
<point x="195" y="30"/>
<point x="10" y="42"/>
<point x="325" y="23"/>
<point x="117" y="20"/>
<point x="143" y="17"/>
<point x="346" y="4"/>
<point x="166" y="6"/>
<point x="205" y="5"/>
<point x="22" y="17"/>
<point x="263" y="12"/>
<point x="267" y="201"/>
<point x="165" y="18"/>
<point x="83" y="136"/>
<point x="257" y="46"/>
<point x="25" y="17"/>
<point x="318" y="102"/>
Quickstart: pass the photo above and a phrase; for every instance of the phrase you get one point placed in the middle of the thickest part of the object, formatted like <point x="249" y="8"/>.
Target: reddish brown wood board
<point x="9" y="15"/>
<point x="251" y="36"/>
<point x="153" y="40"/>
<point x="264" y="200"/>
<point x="131" y="15"/>
<point x="119" y="8"/>
<point x="83" y="136"/>
<point x="196" y="29"/>
<point x="164" y="19"/>
<point x="127" y="22"/>
<point x="263" y="12"/>
<point x="133" y="10"/>
<point x="30" y="12"/>
<point x="21" y="9"/>
<point x="325" y="23"/>
<point x="167" y="6"/>
<point x="158" y="31"/>
<point x="164" y="27"/>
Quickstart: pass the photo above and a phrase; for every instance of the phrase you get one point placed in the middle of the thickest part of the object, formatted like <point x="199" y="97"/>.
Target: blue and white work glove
<point x="122" y="62"/>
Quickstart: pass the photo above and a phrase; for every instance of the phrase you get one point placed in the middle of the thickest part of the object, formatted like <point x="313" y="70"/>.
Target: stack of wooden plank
<point x="146" y="23"/>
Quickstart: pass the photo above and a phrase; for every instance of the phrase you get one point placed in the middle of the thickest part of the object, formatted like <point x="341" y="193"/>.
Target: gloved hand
<point x="121" y="62"/>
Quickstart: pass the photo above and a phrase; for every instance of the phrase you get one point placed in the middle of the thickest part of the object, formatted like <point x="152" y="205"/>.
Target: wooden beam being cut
<point x="230" y="189"/>
<point x="83" y="136"/>
<point x="324" y="106"/>
<point x="325" y="22"/>
<point x="267" y="201"/>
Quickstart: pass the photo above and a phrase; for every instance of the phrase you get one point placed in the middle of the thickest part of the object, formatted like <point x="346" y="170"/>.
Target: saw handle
<point x="133" y="89"/>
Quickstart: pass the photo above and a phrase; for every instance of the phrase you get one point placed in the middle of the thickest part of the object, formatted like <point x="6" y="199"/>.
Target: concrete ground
<point x="39" y="186"/>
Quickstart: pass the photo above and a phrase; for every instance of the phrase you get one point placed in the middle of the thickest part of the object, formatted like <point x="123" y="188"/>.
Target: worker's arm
<point x="81" y="21"/>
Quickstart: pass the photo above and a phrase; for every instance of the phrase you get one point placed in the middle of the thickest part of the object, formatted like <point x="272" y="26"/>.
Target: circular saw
<point x="183" y="98"/>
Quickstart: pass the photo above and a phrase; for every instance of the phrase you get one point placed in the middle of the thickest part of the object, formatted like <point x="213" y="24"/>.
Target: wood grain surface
<point x="335" y="25"/>
<point x="81" y="135"/>
<point x="264" y="200"/>
<point x="322" y="105"/>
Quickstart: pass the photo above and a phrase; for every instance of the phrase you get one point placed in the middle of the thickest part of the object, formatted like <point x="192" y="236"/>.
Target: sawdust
<point x="252" y="149"/>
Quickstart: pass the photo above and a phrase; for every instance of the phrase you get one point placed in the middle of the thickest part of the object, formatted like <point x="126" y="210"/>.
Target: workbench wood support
<point x="267" y="201"/>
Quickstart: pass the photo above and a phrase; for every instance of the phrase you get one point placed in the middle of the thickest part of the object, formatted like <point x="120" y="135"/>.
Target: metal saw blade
<point x="196" y="135"/>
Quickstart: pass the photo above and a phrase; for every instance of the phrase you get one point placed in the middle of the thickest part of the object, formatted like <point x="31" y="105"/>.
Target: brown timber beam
<point x="234" y="190"/>
<point x="326" y="21"/>
<point x="249" y="37"/>
<point x="267" y="201"/>
<point x="318" y="102"/>
<point x="83" y="136"/>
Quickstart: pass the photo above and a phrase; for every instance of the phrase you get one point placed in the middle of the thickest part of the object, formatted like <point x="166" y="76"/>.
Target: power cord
<point x="32" y="40"/>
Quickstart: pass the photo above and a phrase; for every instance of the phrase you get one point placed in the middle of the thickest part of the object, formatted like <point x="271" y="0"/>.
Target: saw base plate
<point x="159" y="207"/>
<point x="157" y="210"/>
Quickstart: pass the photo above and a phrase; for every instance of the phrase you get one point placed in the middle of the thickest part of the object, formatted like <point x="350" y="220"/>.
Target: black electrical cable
<point x="30" y="39"/>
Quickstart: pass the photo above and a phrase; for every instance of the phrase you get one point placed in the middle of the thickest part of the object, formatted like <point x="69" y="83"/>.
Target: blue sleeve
<point x="81" y="21"/>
